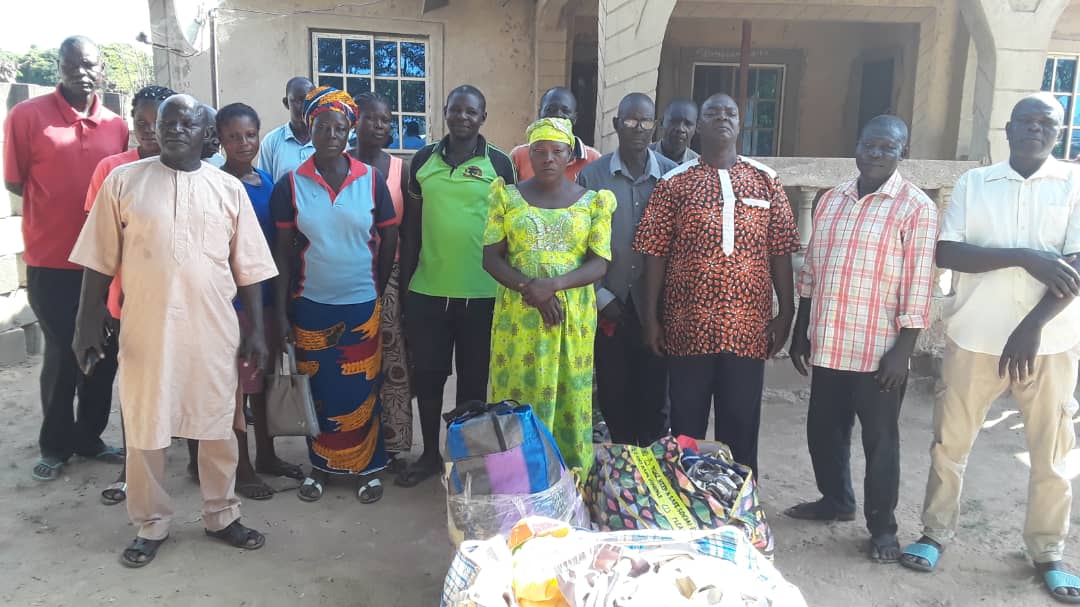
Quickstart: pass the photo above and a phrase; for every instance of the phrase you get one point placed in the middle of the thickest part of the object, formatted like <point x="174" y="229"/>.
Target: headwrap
<point x="551" y="129"/>
<point x="329" y="99"/>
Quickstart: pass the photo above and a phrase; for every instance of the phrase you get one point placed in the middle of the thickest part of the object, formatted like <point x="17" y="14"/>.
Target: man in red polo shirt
<point x="52" y="144"/>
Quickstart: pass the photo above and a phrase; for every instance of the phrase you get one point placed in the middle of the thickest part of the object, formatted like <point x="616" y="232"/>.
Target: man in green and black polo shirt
<point x="450" y="299"/>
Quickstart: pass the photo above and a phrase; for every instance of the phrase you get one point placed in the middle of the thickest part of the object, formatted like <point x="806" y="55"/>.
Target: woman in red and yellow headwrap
<point x="337" y="234"/>
<point x="547" y="241"/>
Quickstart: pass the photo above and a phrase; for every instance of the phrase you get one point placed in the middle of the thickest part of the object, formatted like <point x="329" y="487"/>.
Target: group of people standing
<point x="645" y="276"/>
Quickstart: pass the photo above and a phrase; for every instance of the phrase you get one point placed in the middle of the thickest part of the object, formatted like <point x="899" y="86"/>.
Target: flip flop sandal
<point x="238" y="536"/>
<point x="877" y="547"/>
<point x="283" y="469"/>
<point x="923" y="551"/>
<point x="256" y="490"/>
<point x="417" y="473"/>
<point x="1056" y="579"/>
<point x="814" y="511"/>
<point x="140" y="547"/>
<point x="308" y="497"/>
<point x="114" y="493"/>
<point x="47" y="469"/>
<point x="370" y="492"/>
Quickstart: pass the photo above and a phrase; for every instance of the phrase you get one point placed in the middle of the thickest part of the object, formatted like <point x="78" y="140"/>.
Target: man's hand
<point x="1054" y="271"/>
<point x="253" y="350"/>
<point x="892" y="369"/>
<point x="654" y="337"/>
<point x="800" y="351"/>
<point x="538" y="291"/>
<point x="612" y="312"/>
<point x="777" y="331"/>
<point x="90" y="335"/>
<point x="1018" y="358"/>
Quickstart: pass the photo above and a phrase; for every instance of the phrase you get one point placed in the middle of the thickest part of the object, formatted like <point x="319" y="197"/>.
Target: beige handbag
<point x="290" y="410"/>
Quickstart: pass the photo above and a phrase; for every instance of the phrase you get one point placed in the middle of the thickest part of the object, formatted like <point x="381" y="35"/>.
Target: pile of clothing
<point x="546" y="563"/>
<point x="676" y="483"/>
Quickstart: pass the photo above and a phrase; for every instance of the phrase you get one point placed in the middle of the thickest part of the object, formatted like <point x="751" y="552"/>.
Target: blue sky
<point x="47" y="23"/>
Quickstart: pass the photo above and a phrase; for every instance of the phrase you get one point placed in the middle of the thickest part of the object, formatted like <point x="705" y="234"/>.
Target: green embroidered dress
<point x="549" y="368"/>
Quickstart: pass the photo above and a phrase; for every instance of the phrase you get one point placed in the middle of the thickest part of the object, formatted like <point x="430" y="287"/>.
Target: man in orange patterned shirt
<point x="868" y="274"/>
<point x="718" y="234"/>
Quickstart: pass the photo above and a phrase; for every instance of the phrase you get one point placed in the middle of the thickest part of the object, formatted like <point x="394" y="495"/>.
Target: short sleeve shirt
<point x="453" y="218"/>
<point x="339" y="229"/>
<point x="719" y="231"/>
<point x="282" y="152"/>
<point x="996" y="207"/>
<point x="52" y="150"/>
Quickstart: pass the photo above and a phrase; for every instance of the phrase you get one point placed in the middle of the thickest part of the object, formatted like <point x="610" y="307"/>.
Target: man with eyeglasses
<point x="631" y="380"/>
<point x="864" y="295"/>
<point x="718" y="234"/>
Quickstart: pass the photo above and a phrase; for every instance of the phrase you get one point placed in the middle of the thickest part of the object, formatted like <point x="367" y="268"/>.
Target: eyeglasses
<point x="633" y="123"/>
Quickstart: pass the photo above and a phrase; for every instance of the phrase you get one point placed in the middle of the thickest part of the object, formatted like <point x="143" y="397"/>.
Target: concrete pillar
<point x="631" y="35"/>
<point x="551" y="46"/>
<point x="1011" y="38"/>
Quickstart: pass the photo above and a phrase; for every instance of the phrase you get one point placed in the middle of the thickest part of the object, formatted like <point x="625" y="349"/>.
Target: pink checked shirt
<point x="868" y="269"/>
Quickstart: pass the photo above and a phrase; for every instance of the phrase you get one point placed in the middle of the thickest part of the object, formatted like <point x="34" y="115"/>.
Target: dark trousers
<point x="441" y="330"/>
<point x="836" y="398"/>
<point x="631" y="384"/>
<point x="732" y="384"/>
<point x="54" y="297"/>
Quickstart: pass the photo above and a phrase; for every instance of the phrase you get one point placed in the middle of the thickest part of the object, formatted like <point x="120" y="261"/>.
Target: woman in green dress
<point x="548" y="240"/>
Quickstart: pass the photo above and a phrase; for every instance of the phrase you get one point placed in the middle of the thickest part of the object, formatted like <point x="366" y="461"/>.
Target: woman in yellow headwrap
<point x="547" y="241"/>
<point x="337" y="233"/>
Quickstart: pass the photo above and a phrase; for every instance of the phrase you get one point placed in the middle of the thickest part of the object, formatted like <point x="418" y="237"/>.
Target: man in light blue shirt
<point x="289" y="145"/>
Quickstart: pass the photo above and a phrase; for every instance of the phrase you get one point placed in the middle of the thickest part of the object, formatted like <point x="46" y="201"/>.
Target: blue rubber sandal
<point x="47" y="469"/>
<point x="923" y="551"/>
<point x="1055" y="579"/>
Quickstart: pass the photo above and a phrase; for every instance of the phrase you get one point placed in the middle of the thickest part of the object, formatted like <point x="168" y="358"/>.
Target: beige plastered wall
<point x="1066" y="37"/>
<point x="261" y="44"/>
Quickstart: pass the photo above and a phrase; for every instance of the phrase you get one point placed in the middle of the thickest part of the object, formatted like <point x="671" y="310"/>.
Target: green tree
<point x="39" y="66"/>
<point x="127" y="69"/>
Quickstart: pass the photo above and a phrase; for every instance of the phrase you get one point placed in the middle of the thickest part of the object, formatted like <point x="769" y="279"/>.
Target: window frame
<point x="781" y="89"/>
<point x="1071" y="126"/>
<point x="372" y="37"/>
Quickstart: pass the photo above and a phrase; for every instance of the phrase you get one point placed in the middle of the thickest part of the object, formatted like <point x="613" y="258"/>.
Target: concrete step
<point x="15" y="310"/>
<point x="12" y="346"/>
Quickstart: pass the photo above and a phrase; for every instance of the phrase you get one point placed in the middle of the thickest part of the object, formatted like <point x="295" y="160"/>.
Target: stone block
<point x="12" y="346"/>
<point x="35" y="339"/>
<point x="9" y="273"/>
<point x="11" y="240"/>
<point x="15" y="310"/>
<point x="20" y="269"/>
<point x="5" y="205"/>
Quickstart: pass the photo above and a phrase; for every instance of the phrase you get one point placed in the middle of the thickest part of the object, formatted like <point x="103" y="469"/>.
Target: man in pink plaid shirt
<point x="864" y="295"/>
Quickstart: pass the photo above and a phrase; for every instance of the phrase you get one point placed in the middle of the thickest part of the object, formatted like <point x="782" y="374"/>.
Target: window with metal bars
<point x="395" y="67"/>
<point x="1059" y="78"/>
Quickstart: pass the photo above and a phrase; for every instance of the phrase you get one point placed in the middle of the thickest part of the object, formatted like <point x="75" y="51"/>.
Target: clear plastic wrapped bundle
<point x="480" y="517"/>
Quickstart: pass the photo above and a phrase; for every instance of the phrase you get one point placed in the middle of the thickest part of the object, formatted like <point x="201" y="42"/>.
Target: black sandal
<point x="140" y="548"/>
<point x="817" y="511"/>
<point x="370" y="491"/>
<point x="239" y="536"/>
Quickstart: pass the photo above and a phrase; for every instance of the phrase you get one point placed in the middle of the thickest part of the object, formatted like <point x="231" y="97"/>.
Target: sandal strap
<point x="924" y="551"/>
<point x="1056" y="578"/>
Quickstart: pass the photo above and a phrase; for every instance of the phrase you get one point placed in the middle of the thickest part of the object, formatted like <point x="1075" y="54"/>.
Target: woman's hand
<point x="539" y="291"/>
<point x="551" y="311"/>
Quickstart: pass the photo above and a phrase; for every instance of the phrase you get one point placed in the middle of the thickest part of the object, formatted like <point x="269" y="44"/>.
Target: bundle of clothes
<point x="648" y="526"/>
<point x="546" y="563"/>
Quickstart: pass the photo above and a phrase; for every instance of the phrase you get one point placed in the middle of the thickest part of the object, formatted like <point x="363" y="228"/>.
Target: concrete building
<point x="817" y="69"/>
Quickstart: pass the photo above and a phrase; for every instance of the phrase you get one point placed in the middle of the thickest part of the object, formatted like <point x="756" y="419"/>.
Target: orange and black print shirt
<point x="718" y="230"/>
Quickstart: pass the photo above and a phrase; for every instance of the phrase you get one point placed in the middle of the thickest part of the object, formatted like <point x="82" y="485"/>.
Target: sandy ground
<point x="59" y="545"/>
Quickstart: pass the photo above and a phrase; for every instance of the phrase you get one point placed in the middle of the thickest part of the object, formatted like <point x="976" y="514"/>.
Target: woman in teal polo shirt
<point x="450" y="299"/>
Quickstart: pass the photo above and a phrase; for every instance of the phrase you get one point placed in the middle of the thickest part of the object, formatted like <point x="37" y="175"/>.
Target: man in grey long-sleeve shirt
<point x="631" y="380"/>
